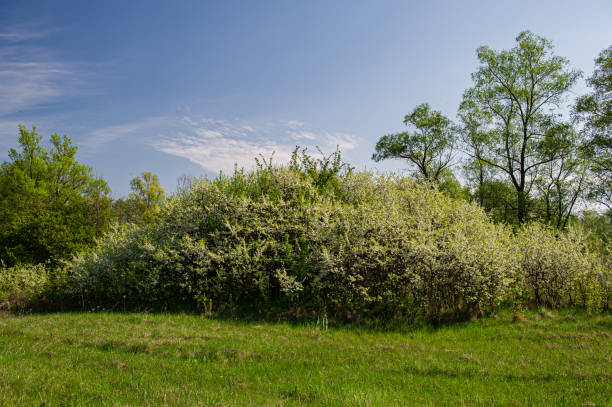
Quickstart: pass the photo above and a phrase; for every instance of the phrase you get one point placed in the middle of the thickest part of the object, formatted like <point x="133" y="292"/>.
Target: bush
<point x="317" y="237"/>
<point x="557" y="269"/>
<point x="20" y="285"/>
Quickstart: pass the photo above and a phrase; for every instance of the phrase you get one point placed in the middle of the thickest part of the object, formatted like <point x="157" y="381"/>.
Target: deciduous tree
<point x="51" y="206"/>
<point x="144" y="199"/>
<point x="429" y="147"/>
<point x="518" y="92"/>
<point x="595" y="110"/>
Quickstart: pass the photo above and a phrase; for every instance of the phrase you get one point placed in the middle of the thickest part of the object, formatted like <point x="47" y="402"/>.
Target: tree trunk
<point x="521" y="206"/>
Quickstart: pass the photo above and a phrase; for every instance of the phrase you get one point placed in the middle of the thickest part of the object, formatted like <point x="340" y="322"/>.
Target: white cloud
<point x="342" y="140"/>
<point x="217" y="145"/>
<point x="27" y="84"/>
<point x="99" y="137"/>
<point x="29" y="75"/>
<point x="24" y="32"/>
<point x="293" y="124"/>
<point x="223" y="153"/>
<point x="303" y="135"/>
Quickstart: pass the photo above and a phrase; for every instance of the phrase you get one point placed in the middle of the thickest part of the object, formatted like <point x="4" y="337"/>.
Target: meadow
<point x="559" y="358"/>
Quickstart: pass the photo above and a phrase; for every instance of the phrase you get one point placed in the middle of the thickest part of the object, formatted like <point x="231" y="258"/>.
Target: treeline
<point x="317" y="237"/>
<point x="523" y="158"/>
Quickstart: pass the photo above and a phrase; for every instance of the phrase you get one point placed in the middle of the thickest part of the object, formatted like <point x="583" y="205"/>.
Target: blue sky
<point x="190" y="87"/>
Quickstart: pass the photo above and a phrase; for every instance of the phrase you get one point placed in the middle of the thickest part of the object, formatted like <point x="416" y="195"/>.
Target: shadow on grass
<point x="435" y="371"/>
<point x="370" y="325"/>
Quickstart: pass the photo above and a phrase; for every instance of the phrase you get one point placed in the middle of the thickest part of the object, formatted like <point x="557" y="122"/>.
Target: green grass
<point x="563" y="358"/>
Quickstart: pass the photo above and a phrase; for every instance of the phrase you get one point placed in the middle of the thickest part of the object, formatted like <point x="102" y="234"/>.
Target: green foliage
<point x="558" y="269"/>
<point x="323" y="172"/>
<point x="429" y="147"/>
<point x="561" y="181"/>
<point x="595" y="110"/>
<point x="19" y="285"/>
<point x="315" y="235"/>
<point x="600" y="230"/>
<point x="450" y="185"/>
<point x="50" y="205"/>
<point x="510" y="115"/>
<point x="146" y="190"/>
<point x="143" y="202"/>
<point x="498" y="199"/>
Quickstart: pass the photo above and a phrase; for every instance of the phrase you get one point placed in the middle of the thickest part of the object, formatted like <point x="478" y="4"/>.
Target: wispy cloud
<point x="104" y="135"/>
<point x="293" y="124"/>
<point x="24" y="32"/>
<point x="217" y="145"/>
<point x="29" y="75"/>
<point x="223" y="153"/>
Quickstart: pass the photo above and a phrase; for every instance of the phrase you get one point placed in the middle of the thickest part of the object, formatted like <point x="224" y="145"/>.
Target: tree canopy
<point x="51" y="206"/>
<point x="515" y="100"/>
<point x="595" y="110"/>
<point x="429" y="147"/>
<point x="144" y="199"/>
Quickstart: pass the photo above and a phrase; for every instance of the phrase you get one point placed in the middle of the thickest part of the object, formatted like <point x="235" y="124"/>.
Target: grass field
<point x="563" y="358"/>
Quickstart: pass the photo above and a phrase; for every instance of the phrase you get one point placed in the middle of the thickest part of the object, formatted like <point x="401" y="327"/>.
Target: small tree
<point x="146" y="190"/>
<point x="144" y="200"/>
<point x="429" y="147"/>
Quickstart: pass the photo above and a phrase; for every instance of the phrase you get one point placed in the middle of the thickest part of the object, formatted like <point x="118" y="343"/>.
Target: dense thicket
<point x="318" y="237"/>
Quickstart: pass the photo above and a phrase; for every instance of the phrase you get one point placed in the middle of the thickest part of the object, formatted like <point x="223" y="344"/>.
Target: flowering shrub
<point x="20" y="284"/>
<point x="317" y="236"/>
<point x="557" y="269"/>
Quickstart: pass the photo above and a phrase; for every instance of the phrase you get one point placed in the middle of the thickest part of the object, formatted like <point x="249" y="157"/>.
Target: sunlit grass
<point x="560" y="358"/>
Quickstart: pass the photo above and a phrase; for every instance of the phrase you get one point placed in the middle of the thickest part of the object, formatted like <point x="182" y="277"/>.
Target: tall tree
<point x="519" y="92"/>
<point x="50" y="205"/>
<point x="429" y="147"/>
<point x="595" y="110"/>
